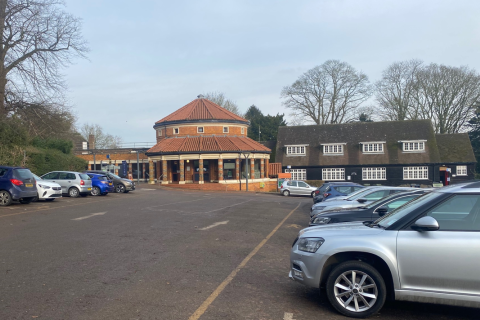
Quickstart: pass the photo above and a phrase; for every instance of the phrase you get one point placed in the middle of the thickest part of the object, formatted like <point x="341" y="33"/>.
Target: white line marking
<point x="92" y="215"/>
<point x="214" y="225"/>
<point x="288" y="316"/>
<point x="144" y="189"/>
<point x="233" y="205"/>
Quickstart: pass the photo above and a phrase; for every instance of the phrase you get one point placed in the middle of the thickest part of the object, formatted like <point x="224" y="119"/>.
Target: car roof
<point x="63" y="171"/>
<point x="467" y="187"/>
<point x="96" y="174"/>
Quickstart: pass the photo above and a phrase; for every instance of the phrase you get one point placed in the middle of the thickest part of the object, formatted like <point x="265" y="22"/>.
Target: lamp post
<point x="246" y="155"/>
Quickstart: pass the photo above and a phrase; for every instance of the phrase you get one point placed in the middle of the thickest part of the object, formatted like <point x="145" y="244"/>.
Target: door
<point x="62" y="180"/>
<point x="292" y="187"/>
<point x="445" y="260"/>
<point x="303" y="188"/>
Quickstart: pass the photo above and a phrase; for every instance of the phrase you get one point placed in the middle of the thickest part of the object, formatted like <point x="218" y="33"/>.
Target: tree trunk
<point x="3" y="76"/>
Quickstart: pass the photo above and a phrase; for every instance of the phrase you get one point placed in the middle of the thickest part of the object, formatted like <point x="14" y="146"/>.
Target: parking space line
<point x="90" y="215"/>
<point x="204" y="306"/>
<point x="214" y="225"/>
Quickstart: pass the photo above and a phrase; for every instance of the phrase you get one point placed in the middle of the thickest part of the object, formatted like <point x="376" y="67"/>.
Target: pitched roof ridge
<point x="200" y="143"/>
<point x="225" y="111"/>
<point x="183" y="143"/>
<point x="176" y="112"/>
<point x="206" y="107"/>
<point x="255" y="143"/>
<point x="217" y="142"/>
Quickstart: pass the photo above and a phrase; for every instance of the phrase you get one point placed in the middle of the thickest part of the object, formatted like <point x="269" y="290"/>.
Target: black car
<point x="122" y="185"/>
<point x="318" y="196"/>
<point x="370" y="212"/>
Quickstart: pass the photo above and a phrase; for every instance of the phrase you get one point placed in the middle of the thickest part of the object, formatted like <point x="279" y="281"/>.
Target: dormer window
<point x="333" y="148"/>
<point x="297" y="150"/>
<point x="200" y="129"/>
<point x="372" y="147"/>
<point x="414" y="145"/>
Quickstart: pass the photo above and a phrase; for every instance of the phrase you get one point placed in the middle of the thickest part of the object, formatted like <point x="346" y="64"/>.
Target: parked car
<point x="121" y="184"/>
<point x="47" y="190"/>
<point x="101" y="185"/>
<point x="354" y="195"/>
<point x="427" y="250"/>
<point x="16" y="184"/>
<point x="358" y="200"/>
<point x="370" y="212"/>
<point x="73" y="183"/>
<point x="294" y="187"/>
<point x="340" y="190"/>
<point x="321" y="190"/>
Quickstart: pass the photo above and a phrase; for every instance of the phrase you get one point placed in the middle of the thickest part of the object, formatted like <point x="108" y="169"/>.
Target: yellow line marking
<point x="201" y="310"/>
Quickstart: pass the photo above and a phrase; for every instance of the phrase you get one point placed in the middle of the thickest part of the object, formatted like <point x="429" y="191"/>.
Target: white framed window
<point x="414" y="146"/>
<point x="332" y="174"/>
<point x="373" y="147"/>
<point x="225" y="129"/>
<point x="462" y="171"/>
<point x="297" y="174"/>
<point x="374" y="174"/>
<point x="200" y="129"/>
<point x="159" y="132"/>
<point x="415" y="173"/>
<point x="333" y="149"/>
<point x="176" y="130"/>
<point x="295" y="150"/>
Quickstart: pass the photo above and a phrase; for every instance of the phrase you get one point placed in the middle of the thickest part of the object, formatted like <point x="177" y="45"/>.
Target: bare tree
<point x="102" y="140"/>
<point x="220" y="99"/>
<point x="329" y="93"/>
<point x="447" y="95"/>
<point x="38" y="39"/>
<point x="395" y="92"/>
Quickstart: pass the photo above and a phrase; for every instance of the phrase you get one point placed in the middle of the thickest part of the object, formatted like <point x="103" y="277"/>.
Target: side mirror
<point x="426" y="224"/>
<point x="382" y="211"/>
<point x="362" y="200"/>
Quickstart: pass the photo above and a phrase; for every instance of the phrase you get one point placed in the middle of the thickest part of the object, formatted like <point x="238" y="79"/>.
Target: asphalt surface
<point x="164" y="254"/>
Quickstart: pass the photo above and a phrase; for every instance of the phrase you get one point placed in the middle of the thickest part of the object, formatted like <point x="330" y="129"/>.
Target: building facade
<point x="376" y="153"/>
<point x="205" y="143"/>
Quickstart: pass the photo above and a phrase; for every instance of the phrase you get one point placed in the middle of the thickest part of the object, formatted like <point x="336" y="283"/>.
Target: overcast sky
<point x="149" y="58"/>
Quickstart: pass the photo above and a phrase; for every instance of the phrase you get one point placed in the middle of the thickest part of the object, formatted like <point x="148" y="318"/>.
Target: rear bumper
<point x="18" y="194"/>
<point x="84" y="189"/>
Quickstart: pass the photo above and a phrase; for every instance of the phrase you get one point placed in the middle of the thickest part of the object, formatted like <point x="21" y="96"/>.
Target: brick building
<point x="205" y="143"/>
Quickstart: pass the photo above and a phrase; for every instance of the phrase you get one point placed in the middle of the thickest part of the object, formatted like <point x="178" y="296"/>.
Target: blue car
<point x="340" y="190"/>
<point x="101" y="186"/>
<point x="16" y="184"/>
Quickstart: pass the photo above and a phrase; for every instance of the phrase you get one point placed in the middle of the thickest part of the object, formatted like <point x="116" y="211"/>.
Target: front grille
<point x="57" y="188"/>
<point x="296" y="267"/>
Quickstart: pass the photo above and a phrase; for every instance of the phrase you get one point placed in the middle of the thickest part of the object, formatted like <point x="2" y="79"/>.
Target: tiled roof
<point x="207" y="144"/>
<point x="202" y="109"/>
<point x="455" y="148"/>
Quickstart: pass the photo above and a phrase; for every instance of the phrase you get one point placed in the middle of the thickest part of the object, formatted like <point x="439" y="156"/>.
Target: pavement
<point x="159" y="253"/>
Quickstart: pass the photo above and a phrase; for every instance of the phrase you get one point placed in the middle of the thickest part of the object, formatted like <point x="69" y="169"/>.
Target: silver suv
<point x="427" y="250"/>
<point x="73" y="183"/>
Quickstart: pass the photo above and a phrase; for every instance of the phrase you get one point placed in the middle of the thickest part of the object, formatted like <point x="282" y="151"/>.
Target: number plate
<point x="89" y="189"/>
<point x="28" y="185"/>
<point x="110" y="184"/>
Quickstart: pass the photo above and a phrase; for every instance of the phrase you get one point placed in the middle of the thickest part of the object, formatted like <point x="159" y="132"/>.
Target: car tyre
<point x="73" y="192"/>
<point x="120" y="188"/>
<point x="96" y="191"/>
<point x="286" y="193"/>
<point x="26" y="200"/>
<point x="313" y="194"/>
<point x="5" y="198"/>
<point x="356" y="289"/>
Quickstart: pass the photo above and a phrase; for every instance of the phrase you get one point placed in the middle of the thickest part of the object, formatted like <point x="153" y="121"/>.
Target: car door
<point x="62" y="181"/>
<point x="51" y="176"/>
<point x="303" y="188"/>
<point x="445" y="260"/>
<point x="292" y="187"/>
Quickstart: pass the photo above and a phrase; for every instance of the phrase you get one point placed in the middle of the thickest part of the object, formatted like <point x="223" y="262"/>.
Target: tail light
<point x="82" y="183"/>
<point x="16" y="182"/>
<point x="317" y="192"/>
<point x="325" y="195"/>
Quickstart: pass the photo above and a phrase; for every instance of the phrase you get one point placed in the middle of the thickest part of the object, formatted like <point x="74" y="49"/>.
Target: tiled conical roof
<point x="201" y="109"/>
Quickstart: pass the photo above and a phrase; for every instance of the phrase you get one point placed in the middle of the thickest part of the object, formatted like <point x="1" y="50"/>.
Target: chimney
<point x="91" y="141"/>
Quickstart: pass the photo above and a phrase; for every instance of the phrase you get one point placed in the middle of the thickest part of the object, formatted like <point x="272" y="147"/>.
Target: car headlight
<point x="44" y="186"/>
<point x="310" y="244"/>
<point x="320" y="220"/>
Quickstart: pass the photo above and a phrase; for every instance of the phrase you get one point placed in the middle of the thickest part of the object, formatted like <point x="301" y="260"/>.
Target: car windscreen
<point x="22" y="174"/>
<point x="395" y="215"/>
<point x="37" y="177"/>
<point x="114" y="176"/>
<point x="102" y="178"/>
<point x="375" y="203"/>
<point x="84" y="176"/>
<point x="358" y="194"/>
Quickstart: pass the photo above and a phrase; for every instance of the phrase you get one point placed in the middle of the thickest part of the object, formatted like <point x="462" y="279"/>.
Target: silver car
<point x="427" y="250"/>
<point x="296" y="187"/>
<point x="73" y="183"/>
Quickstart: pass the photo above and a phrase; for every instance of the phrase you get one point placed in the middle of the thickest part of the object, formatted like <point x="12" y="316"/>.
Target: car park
<point x="16" y="184"/>
<point x="370" y="212"/>
<point x="358" y="200"/>
<point x="425" y="251"/>
<point x="101" y="186"/>
<point x="47" y="190"/>
<point x="122" y="185"/>
<point x="296" y="187"/>
<point x="73" y="183"/>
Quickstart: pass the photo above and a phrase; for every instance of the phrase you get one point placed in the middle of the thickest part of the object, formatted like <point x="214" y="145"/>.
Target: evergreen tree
<point x="263" y="128"/>
<point x="474" y="135"/>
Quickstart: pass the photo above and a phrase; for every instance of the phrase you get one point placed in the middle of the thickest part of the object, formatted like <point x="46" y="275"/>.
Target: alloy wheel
<point x="73" y="192"/>
<point x="355" y="291"/>
<point x="5" y="198"/>
<point x="95" y="191"/>
<point x="120" y="188"/>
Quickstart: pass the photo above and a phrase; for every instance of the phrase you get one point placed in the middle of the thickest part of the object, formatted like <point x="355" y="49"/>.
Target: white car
<point x="47" y="190"/>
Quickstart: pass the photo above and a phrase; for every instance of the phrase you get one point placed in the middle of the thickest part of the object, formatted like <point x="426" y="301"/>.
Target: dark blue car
<point x="16" y="184"/>
<point x="101" y="186"/>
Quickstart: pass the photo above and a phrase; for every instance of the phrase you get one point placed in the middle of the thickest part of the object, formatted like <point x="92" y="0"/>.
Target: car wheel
<point x="286" y="193"/>
<point x="356" y="289"/>
<point x="313" y="194"/>
<point x="73" y="192"/>
<point x="120" y="188"/>
<point x="26" y="200"/>
<point x="95" y="191"/>
<point x="5" y="198"/>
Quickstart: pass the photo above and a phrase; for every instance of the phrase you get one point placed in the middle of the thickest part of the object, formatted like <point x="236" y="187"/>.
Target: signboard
<point x="124" y="169"/>
<point x="227" y="165"/>
<point x="108" y="156"/>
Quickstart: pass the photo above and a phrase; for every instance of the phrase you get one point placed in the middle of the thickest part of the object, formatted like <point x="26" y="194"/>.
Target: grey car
<point x="73" y="183"/>
<point x="427" y="250"/>
<point x="122" y="185"/>
<point x="296" y="187"/>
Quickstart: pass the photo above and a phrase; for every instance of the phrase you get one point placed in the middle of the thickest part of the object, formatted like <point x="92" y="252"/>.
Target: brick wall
<point x="270" y="186"/>
<point x="207" y="130"/>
